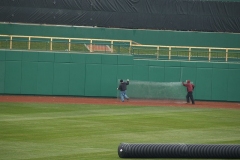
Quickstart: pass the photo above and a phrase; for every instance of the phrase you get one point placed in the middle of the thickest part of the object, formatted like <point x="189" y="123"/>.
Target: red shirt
<point x="190" y="87"/>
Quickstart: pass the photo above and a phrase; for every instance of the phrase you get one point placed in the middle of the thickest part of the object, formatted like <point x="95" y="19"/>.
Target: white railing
<point x="118" y="46"/>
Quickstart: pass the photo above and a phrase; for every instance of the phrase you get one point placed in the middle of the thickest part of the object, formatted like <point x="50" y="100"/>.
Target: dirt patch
<point x="114" y="101"/>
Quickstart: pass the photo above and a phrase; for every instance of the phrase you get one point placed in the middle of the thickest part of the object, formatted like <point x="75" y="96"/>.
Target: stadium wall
<point x="96" y="75"/>
<point x="150" y="37"/>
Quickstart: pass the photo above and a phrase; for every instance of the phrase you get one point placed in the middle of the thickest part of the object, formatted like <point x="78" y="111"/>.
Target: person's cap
<point x="121" y="80"/>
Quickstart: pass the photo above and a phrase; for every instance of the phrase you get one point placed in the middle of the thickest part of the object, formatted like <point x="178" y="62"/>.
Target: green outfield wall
<point x="96" y="75"/>
<point x="150" y="37"/>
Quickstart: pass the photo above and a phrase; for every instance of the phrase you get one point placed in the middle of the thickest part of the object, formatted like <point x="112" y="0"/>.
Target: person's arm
<point x="119" y="87"/>
<point x="183" y="83"/>
<point x="127" y="82"/>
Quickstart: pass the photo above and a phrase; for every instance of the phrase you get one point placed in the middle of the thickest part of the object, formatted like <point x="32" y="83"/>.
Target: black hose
<point x="126" y="150"/>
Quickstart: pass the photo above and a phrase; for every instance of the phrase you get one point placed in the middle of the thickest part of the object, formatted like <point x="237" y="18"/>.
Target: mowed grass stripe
<point x="74" y="131"/>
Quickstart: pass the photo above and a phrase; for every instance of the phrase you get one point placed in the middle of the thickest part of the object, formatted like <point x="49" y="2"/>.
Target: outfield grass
<point x="93" y="132"/>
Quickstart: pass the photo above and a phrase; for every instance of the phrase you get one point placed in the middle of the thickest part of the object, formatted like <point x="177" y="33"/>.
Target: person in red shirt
<point x="190" y="88"/>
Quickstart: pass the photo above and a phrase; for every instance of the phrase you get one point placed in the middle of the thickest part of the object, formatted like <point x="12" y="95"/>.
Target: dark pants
<point x="190" y="95"/>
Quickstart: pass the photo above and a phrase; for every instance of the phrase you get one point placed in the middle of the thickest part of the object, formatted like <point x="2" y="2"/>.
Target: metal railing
<point x="189" y="53"/>
<point x="139" y="51"/>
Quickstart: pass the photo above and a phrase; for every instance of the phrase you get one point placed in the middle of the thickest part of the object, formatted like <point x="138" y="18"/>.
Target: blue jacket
<point x="123" y="86"/>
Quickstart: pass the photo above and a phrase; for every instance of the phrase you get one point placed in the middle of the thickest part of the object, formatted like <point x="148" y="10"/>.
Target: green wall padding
<point x="29" y="77"/>
<point x="232" y="66"/>
<point x="124" y="60"/>
<point x="2" y="56"/>
<point x="109" y="59"/>
<point x="156" y="74"/>
<point x="220" y="65"/>
<point x="125" y="72"/>
<point x="45" y="78"/>
<point x="141" y="62"/>
<point x="172" y="64"/>
<point x="13" y="55"/>
<point x="189" y="64"/>
<point x="204" y="83"/>
<point x="30" y="56"/>
<point x="219" y="84"/>
<point x="61" y="79"/>
<point x="77" y="79"/>
<point x="12" y="83"/>
<point x="233" y="85"/>
<point x="172" y="74"/>
<point x="204" y="65"/>
<point x="78" y="58"/>
<point x="140" y="72"/>
<point x="93" y="58"/>
<point x="188" y="73"/>
<point x="157" y="63"/>
<point x="62" y="57"/>
<point x="2" y="76"/>
<point x="46" y="57"/>
<point x="93" y="80"/>
<point x="96" y="75"/>
<point x="108" y="77"/>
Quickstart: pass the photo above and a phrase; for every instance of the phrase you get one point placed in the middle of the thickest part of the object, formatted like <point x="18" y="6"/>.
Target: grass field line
<point x="83" y="114"/>
<point x="184" y="132"/>
<point x="72" y="115"/>
<point x="45" y="149"/>
<point x="52" y="117"/>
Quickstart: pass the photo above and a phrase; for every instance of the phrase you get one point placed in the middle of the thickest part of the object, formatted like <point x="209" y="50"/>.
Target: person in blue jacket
<point x="122" y="88"/>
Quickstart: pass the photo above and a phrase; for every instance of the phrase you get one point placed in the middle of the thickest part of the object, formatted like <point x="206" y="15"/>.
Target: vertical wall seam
<point x="54" y="58"/>
<point x="37" y="73"/>
<point x="69" y="65"/>
<point x="21" y="73"/>
<point x="101" y="77"/>
<point x="5" y="59"/>
<point x="85" y="70"/>
<point x="212" y="84"/>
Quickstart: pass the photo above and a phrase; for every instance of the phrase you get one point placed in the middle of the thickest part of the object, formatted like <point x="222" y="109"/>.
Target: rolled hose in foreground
<point x="127" y="150"/>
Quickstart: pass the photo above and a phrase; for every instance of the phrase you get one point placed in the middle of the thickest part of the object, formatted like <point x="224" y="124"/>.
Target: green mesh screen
<point x="156" y="90"/>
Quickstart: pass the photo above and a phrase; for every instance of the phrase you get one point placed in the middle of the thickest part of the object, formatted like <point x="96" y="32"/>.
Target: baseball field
<point x="46" y="127"/>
